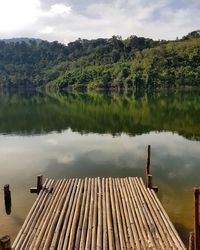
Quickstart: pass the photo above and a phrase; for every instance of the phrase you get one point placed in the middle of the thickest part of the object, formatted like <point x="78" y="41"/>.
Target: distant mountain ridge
<point x="193" y="34"/>
<point x="113" y="63"/>
<point x="21" y="39"/>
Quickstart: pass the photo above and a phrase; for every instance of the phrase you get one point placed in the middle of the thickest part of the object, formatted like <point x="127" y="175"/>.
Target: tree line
<point x="135" y="62"/>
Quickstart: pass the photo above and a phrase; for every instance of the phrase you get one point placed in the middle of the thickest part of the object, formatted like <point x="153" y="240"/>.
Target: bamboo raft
<point x="95" y="213"/>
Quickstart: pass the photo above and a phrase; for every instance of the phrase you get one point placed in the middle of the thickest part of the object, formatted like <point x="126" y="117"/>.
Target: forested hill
<point x="135" y="62"/>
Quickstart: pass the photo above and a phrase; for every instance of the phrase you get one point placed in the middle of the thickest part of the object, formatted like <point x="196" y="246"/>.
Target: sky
<point x="67" y="20"/>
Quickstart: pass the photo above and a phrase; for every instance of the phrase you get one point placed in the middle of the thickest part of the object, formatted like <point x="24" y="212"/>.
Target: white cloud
<point x="67" y="20"/>
<point x="47" y="30"/>
<point x="18" y="15"/>
<point x="60" y="9"/>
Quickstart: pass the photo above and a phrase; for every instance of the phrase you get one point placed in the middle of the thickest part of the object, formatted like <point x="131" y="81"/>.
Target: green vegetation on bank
<point x="135" y="62"/>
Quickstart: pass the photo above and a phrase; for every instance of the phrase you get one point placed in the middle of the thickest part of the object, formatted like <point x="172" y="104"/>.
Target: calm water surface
<point x="93" y="134"/>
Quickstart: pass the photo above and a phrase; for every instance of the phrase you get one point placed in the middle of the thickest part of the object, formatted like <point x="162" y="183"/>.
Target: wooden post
<point x="191" y="241"/>
<point x="149" y="181"/>
<point x="37" y="189"/>
<point x="39" y="183"/>
<point x="196" y="219"/>
<point x="148" y="165"/>
<point x="155" y="188"/>
<point x="5" y="243"/>
<point x="148" y="160"/>
<point x="33" y="190"/>
<point x="7" y="198"/>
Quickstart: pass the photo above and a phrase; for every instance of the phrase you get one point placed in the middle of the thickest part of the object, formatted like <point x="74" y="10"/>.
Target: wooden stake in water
<point x="5" y="243"/>
<point x="148" y="160"/>
<point x="149" y="181"/>
<point x="196" y="218"/>
<point x="148" y="175"/>
<point x="7" y="198"/>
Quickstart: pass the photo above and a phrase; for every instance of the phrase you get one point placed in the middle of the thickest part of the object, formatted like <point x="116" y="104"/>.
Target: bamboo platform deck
<point x="94" y="213"/>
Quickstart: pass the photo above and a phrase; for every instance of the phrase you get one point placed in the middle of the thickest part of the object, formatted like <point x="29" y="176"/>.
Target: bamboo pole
<point x="57" y="207"/>
<point x="76" y="218"/>
<point x="119" y="216"/>
<point x="141" y="212"/>
<point x="154" y="214"/>
<point x="114" y="216"/>
<point x="151" y="214"/>
<point x="136" y="216"/>
<point x="166" y="219"/>
<point x="25" y="236"/>
<point x="80" y="224"/>
<point x="69" y="225"/>
<point x="95" y="214"/>
<point x="153" y="230"/>
<point x="134" y="242"/>
<point x="100" y="217"/>
<point x="170" y="230"/>
<point x="71" y="215"/>
<point x="67" y="216"/>
<point x="35" y="228"/>
<point x="121" y="209"/>
<point x="52" y="212"/>
<point x="109" y="218"/>
<point x="59" y="225"/>
<point x="33" y="209"/>
<point x="132" y="219"/>
<point x="105" y="226"/>
<point x="85" y="218"/>
<point x="41" y="227"/>
<point x="91" y="212"/>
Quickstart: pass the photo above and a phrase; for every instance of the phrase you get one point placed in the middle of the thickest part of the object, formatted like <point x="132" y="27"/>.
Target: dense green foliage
<point x="135" y="62"/>
<point x="92" y="112"/>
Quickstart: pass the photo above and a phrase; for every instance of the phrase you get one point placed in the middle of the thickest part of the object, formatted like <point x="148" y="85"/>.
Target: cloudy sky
<point x="67" y="20"/>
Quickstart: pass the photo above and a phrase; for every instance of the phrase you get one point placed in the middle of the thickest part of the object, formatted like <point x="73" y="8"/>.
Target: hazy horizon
<point x="83" y="38"/>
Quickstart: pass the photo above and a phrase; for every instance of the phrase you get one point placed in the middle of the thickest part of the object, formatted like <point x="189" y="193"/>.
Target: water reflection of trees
<point x="114" y="113"/>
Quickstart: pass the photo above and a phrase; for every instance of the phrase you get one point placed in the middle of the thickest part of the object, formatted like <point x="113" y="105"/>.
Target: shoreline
<point x="105" y="90"/>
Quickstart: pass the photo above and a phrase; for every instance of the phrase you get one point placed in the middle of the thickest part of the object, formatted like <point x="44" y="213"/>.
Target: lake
<point x="97" y="134"/>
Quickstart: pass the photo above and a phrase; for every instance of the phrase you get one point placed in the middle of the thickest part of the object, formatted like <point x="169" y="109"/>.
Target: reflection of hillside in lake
<point x="102" y="113"/>
<point x="71" y="135"/>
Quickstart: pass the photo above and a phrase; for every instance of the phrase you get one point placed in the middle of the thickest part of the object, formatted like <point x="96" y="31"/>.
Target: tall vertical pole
<point x="196" y="218"/>
<point x="148" y="160"/>
<point x="39" y="183"/>
<point x="149" y="181"/>
<point x="148" y="177"/>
